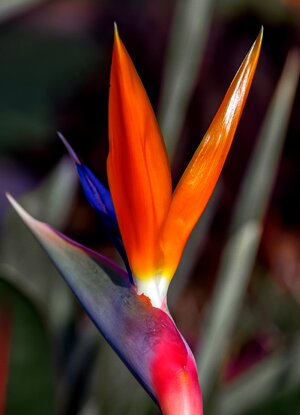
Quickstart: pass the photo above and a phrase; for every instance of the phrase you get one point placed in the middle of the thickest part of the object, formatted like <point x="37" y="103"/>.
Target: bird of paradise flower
<point x="149" y="227"/>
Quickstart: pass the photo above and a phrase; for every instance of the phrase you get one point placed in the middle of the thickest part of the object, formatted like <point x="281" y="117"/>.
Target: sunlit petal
<point x="138" y="169"/>
<point x="200" y="177"/>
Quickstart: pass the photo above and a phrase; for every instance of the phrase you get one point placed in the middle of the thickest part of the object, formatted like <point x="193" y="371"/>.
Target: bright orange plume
<point x="153" y="226"/>
<point x="200" y="177"/>
<point x="138" y="168"/>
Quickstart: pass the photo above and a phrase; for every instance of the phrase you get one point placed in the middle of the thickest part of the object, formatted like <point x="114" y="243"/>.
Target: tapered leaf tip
<point x="38" y="228"/>
<point x="29" y="220"/>
<point x="70" y="150"/>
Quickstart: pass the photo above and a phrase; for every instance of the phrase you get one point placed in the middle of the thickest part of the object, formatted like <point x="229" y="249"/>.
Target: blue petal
<point x="100" y="199"/>
<point x="98" y="196"/>
<point x="96" y="193"/>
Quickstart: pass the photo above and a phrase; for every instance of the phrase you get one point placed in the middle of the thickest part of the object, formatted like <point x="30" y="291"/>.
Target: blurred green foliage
<point x="38" y="67"/>
<point x="30" y="385"/>
<point x="51" y="340"/>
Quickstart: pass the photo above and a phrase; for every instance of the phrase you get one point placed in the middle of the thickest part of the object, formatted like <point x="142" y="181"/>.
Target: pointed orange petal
<point x="200" y="177"/>
<point x="138" y="169"/>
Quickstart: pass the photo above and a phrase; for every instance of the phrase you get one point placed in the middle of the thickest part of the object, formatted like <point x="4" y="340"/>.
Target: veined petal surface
<point x="138" y="168"/>
<point x="199" y="179"/>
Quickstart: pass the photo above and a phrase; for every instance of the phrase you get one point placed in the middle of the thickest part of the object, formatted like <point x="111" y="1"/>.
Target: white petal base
<point x="155" y="288"/>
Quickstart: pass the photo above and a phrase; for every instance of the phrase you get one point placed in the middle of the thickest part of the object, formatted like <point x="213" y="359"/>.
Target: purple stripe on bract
<point x="99" y="257"/>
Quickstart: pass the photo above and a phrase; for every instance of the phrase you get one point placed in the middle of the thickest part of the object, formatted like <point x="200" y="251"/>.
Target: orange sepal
<point x="138" y="168"/>
<point x="199" y="179"/>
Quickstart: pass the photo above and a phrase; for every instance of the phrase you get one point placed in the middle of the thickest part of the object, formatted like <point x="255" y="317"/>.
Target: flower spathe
<point x="145" y="337"/>
<point x="154" y="223"/>
<point x="149" y="226"/>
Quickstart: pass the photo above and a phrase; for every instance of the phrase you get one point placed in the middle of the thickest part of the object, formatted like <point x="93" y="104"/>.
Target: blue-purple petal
<point x="100" y="199"/>
<point x="98" y="196"/>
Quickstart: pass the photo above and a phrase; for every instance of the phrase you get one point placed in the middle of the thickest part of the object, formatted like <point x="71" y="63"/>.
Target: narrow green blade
<point x="30" y="383"/>
<point x="240" y="251"/>
<point x="20" y="257"/>
<point x="262" y="382"/>
<point x="187" y="39"/>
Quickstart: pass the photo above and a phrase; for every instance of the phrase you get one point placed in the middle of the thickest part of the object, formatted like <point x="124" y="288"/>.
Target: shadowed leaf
<point x="39" y="67"/>
<point x="5" y="346"/>
<point x="127" y="321"/>
<point x="20" y="256"/>
<point x="187" y="39"/>
<point x="30" y="376"/>
<point x="240" y="251"/>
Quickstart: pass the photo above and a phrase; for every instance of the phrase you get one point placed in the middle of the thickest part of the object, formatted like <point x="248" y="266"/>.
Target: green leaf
<point x="277" y="305"/>
<point x="240" y="251"/>
<point x="20" y="256"/>
<point x="187" y="39"/>
<point x="30" y="378"/>
<point x="110" y="374"/>
<point x="273" y="381"/>
<point x="38" y="68"/>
